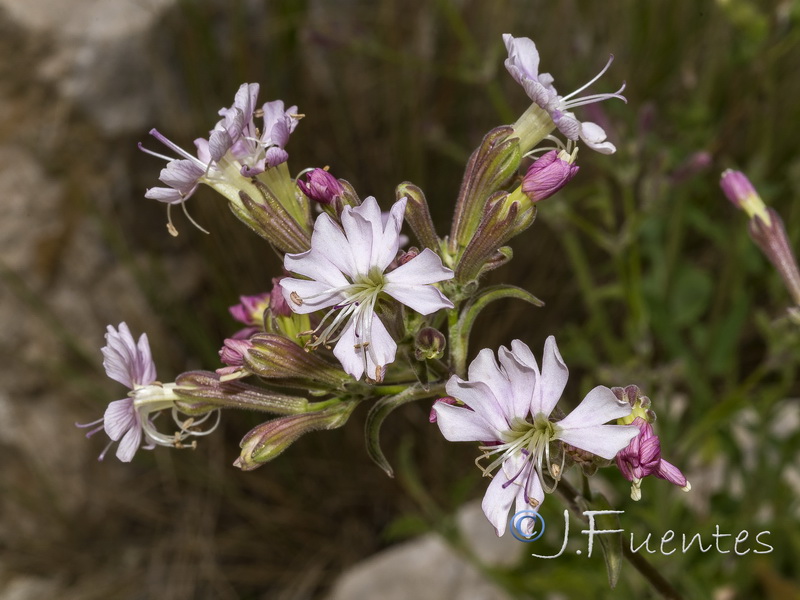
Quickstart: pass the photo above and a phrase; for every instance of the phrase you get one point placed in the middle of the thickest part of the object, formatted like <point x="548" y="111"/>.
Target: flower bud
<point x="418" y="215"/>
<point x="277" y="303"/>
<point x="430" y="344"/>
<point x="548" y="174"/>
<point x="489" y="169"/>
<point x="274" y="356"/>
<point x="737" y="187"/>
<point x="231" y="353"/>
<point x="200" y="391"/>
<point x="766" y="229"/>
<point x="320" y="186"/>
<point x="268" y="440"/>
<point x="250" y="309"/>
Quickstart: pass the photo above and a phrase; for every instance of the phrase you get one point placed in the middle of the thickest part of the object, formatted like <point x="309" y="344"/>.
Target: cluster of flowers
<point x="358" y="318"/>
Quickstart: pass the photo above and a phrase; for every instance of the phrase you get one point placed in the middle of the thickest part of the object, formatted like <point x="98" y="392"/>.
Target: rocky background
<point x="393" y="91"/>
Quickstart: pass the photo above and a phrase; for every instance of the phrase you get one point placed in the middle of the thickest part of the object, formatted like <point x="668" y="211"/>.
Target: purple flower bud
<point x="766" y="228"/>
<point x="277" y="302"/>
<point x="250" y="310"/>
<point x="232" y="353"/>
<point x="548" y="174"/>
<point x="737" y="187"/>
<point x="321" y="186"/>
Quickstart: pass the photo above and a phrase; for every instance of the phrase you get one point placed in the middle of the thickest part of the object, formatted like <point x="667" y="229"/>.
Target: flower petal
<point x="317" y="265"/>
<point x="671" y="473"/>
<point x="484" y="369"/>
<point x="351" y="353"/>
<point x="523" y="381"/>
<point x="129" y="444"/>
<point x="460" y="424"/>
<point x="603" y="440"/>
<point x="359" y="232"/>
<point x="424" y="268"/>
<point x="599" y="406"/>
<point x="480" y="398"/>
<point x="497" y="501"/>
<point x="119" y="418"/>
<point x="425" y="299"/>
<point x="553" y="380"/>
<point x="124" y="360"/>
<point x="595" y="137"/>
<point x="313" y="295"/>
<point x="329" y="241"/>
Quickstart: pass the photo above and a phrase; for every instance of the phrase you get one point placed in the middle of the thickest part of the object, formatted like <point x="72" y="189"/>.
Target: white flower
<point x="128" y="420"/>
<point x="523" y="64"/>
<point x="507" y="408"/>
<point x="346" y="270"/>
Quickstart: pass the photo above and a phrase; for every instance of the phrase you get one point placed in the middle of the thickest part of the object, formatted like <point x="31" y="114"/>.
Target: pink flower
<point x="507" y="408"/>
<point x="347" y="274"/>
<point x="128" y="420"/>
<point x="523" y="64"/>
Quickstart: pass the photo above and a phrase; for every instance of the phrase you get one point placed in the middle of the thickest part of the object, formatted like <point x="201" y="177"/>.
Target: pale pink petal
<point x="119" y="417"/>
<point x="129" y="444"/>
<point x="314" y="294"/>
<point x="145" y="372"/>
<point x="480" y="398"/>
<point x="497" y="501"/>
<point x="425" y="299"/>
<point x="484" y="369"/>
<point x="599" y="406"/>
<point x="424" y="268"/>
<point x="387" y="240"/>
<point x="553" y="380"/>
<point x="359" y="236"/>
<point x="523" y="57"/>
<point x="316" y="265"/>
<point x="595" y="137"/>
<point x="460" y="424"/>
<point x="523" y="381"/>
<point x="603" y="440"/>
<point x="329" y="241"/>
<point x="354" y="359"/>
<point x="524" y="355"/>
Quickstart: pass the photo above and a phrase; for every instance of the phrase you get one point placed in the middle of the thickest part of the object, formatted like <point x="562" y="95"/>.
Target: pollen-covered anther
<point x="296" y="298"/>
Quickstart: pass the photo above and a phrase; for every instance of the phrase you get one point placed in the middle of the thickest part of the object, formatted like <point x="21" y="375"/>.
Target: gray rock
<point x="427" y="568"/>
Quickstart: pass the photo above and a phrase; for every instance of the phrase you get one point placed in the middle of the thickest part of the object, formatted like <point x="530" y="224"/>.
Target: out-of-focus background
<point x="647" y="272"/>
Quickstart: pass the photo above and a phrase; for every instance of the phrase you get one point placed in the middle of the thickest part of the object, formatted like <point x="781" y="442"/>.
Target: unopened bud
<point x="548" y="174"/>
<point x="231" y="354"/>
<point x="766" y="229"/>
<point x="737" y="187"/>
<point x="268" y="440"/>
<point x="320" y="186"/>
<point x="430" y="344"/>
<point x="277" y="303"/>
<point x="274" y="356"/>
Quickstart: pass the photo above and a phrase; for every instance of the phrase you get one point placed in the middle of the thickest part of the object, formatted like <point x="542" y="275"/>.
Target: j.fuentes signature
<point x="667" y="544"/>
